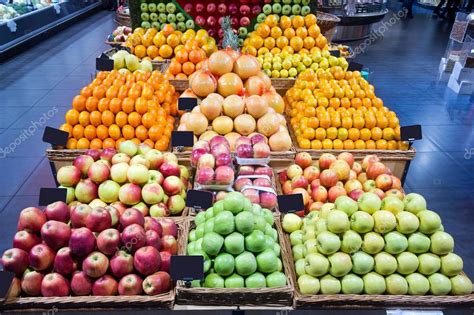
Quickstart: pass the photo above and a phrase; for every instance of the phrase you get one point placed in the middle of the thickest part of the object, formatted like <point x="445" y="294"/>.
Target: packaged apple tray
<point x="161" y="301"/>
<point x="263" y="297"/>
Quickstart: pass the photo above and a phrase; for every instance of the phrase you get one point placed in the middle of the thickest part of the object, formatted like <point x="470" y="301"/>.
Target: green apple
<point x="213" y="280"/>
<point x="352" y="284"/>
<point x="396" y="284"/>
<point x="255" y="241"/>
<point x="310" y="246"/>
<point x="417" y="284"/>
<point x="234" y="281"/>
<point x="234" y="243"/>
<point x="441" y="243"/>
<point x="308" y="285"/>
<point x="255" y="281"/>
<point x="200" y="231"/>
<point x="439" y="284"/>
<point x="325" y="210"/>
<point x="451" y="265"/>
<point x="144" y="7"/>
<point x="362" y="222"/>
<point x="316" y="265"/>
<point x="363" y="263"/>
<point x="330" y="285"/>
<point x="418" y="243"/>
<point x="296" y="237"/>
<point x="308" y="234"/>
<point x="373" y="243"/>
<point x="209" y="213"/>
<point x="407" y="222"/>
<point x="212" y="243"/>
<point x="298" y="252"/>
<point x="430" y="221"/>
<point x="245" y="264"/>
<point x="385" y="264"/>
<point x="276" y="279"/>
<point x="277" y="249"/>
<point x="338" y="221"/>
<point x="341" y="264"/>
<point x="407" y="263"/>
<point x="234" y="201"/>
<point x="395" y="242"/>
<point x="293" y="72"/>
<point x="429" y="264"/>
<point x="461" y="285"/>
<point x="384" y="221"/>
<point x="200" y="218"/>
<point x="414" y="203"/>
<point x="244" y="222"/>
<point x="267" y="261"/>
<point x="374" y="283"/>
<point x="291" y="222"/>
<point x="321" y="225"/>
<point x="218" y="207"/>
<point x="328" y="243"/>
<point x="224" y="264"/>
<point x="346" y="204"/>
<point x="209" y="226"/>
<point x="392" y="204"/>
<point x="300" y="267"/>
<point x="351" y="242"/>
<point x="369" y="202"/>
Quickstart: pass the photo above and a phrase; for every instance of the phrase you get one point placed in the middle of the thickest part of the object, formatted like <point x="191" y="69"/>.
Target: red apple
<point x="352" y="184"/>
<point x="98" y="220"/>
<point x="261" y="150"/>
<point x="41" y="257"/>
<point x="384" y="182"/>
<point x="15" y="260"/>
<point x="93" y="153"/>
<point x="262" y="182"/>
<point x="119" y="206"/>
<point x="355" y="194"/>
<point x="121" y="264"/>
<point x="68" y="176"/>
<point x="396" y="183"/>
<point x="395" y="193"/>
<point x="132" y="216"/>
<point x="108" y="241"/>
<point x="246" y="170"/>
<point x="153" y="238"/>
<point x="268" y="200"/>
<point x="311" y="173"/>
<point x="107" y="154"/>
<point x="157" y="283"/>
<point x="130" y="285"/>
<point x="375" y="169"/>
<point x="82" y="242"/>
<point x="283" y="176"/>
<point x="58" y="211"/>
<point x="303" y="159"/>
<point x="172" y="185"/>
<point x="31" y="282"/>
<point x="31" y="219"/>
<point x="328" y="178"/>
<point x="98" y="172"/>
<point x="147" y="260"/>
<point x="169" y="227"/>
<point x="218" y="149"/>
<point x="299" y="182"/>
<point x="114" y="215"/>
<point x="83" y="162"/>
<point x="169" y="244"/>
<point x="95" y="265"/>
<point x="319" y="194"/>
<point x="348" y="157"/>
<point x="130" y="194"/>
<point x="315" y="206"/>
<point x="357" y="167"/>
<point x="286" y="187"/>
<point x="294" y="171"/>
<point x="204" y="175"/>
<point x="264" y="170"/>
<point x="55" y="234"/>
<point x="159" y="210"/>
<point x="241" y="182"/>
<point x="252" y="194"/>
<point x="342" y="169"/>
<point x="152" y="224"/>
<point x="81" y="284"/>
<point x="335" y="192"/>
<point x="304" y="192"/>
<point x="368" y="160"/>
<point x="105" y="286"/>
<point x="170" y="168"/>
<point x="64" y="262"/>
<point x="379" y="193"/>
<point x="155" y="158"/>
<point x="224" y="175"/>
<point x="79" y="215"/>
<point x="165" y="261"/>
<point x="25" y="240"/>
<point x="54" y="284"/>
<point x="325" y="160"/>
<point x="133" y="237"/>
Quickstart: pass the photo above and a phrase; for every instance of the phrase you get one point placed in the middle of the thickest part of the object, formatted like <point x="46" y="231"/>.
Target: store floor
<point x="37" y="86"/>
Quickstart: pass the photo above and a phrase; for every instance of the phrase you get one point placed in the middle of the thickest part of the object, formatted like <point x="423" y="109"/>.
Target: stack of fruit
<point x="285" y="8"/>
<point x="240" y="102"/>
<point x="125" y="62"/>
<point x="136" y="176"/>
<point x="375" y="247"/>
<point x="156" y="15"/>
<point x="116" y="107"/>
<point x="338" y="109"/>
<point x="239" y="245"/>
<point x="90" y="251"/>
<point x="119" y="35"/>
<point x="330" y="177"/>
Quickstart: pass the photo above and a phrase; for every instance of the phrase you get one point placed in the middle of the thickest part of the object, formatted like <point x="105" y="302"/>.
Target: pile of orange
<point x="339" y="110"/>
<point x="116" y="107"/>
<point x="164" y="44"/>
<point x="280" y="34"/>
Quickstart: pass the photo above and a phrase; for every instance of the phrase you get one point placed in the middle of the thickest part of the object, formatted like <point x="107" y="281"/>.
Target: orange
<point x="108" y="118"/>
<point x="108" y="143"/>
<point x="115" y="105"/>
<point x="147" y="92"/>
<point x="392" y="145"/>
<point x="370" y="121"/>
<point x="136" y="141"/>
<point x="285" y="22"/>
<point x="188" y="68"/>
<point x="134" y="92"/>
<point x="161" y="145"/>
<point x="67" y="128"/>
<point x="148" y="120"/>
<point x="79" y="102"/>
<point x="114" y="131"/>
<point x="376" y="133"/>
<point x="141" y="105"/>
<point x="331" y="133"/>
<point x="316" y="145"/>
<point x="393" y="122"/>
<point x="310" y="19"/>
<point x="302" y="32"/>
<point x="154" y="132"/>
<point x="121" y="119"/>
<point x="128" y="105"/>
<point x="159" y="39"/>
<point x="72" y="117"/>
<point x="382" y="122"/>
<point x="172" y="40"/>
<point x="377" y="102"/>
<point x="282" y="42"/>
<point x="370" y="145"/>
<point x="111" y="92"/>
<point x="86" y="92"/>
<point x="89" y="132"/>
<point x="269" y="42"/>
<point x="271" y="20"/>
<point x="197" y="55"/>
<point x="95" y="118"/>
<point x="78" y="131"/>
<point x="103" y="104"/>
<point x="309" y="42"/>
<point x="313" y="30"/>
<point x="84" y="118"/>
<point x="276" y="32"/>
<point x="349" y="145"/>
<point x="149" y="143"/>
<point x="354" y="134"/>
<point x="305" y="144"/>
<point x="175" y="67"/>
<point x="96" y="144"/>
<point x="134" y="119"/>
<point x="139" y="51"/>
<point x="102" y="132"/>
<point x="128" y="132"/>
<point x="359" y="145"/>
<point x="71" y="143"/>
<point x="296" y="43"/>
<point x="152" y="51"/>
<point x="263" y="30"/>
<point x="347" y="122"/>
<point x="334" y="102"/>
<point x="289" y="33"/>
<point x="167" y="29"/>
<point x="381" y="144"/>
<point x="83" y="143"/>
<point x="297" y="21"/>
<point x="388" y="134"/>
<point x="91" y="103"/>
<point x="321" y="41"/>
<point x="365" y="134"/>
<point x="166" y="51"/>
<point x="358" y="122"/>
<point x="141" y="133"/>
<point x="337" y="144"/>
<point x="181" y="56"/>
<point x="327" y="144"/>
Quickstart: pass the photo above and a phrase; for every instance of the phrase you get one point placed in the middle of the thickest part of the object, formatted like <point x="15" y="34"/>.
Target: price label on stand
<point x="6" y="279"/>
<point x="55" y="136"/>
<point x="411" y="133"/>
<point x="182" y="139"/>
<point x="104" y="63"/>
<point x="50" y="195"/>
<point x="187" y="268"/>
<point x="354" y="66"/>
<point x="199" y="199"/>
<point x="290" y="203"/>
<point x="187" y="103"/>
<point x="335" y="53"/>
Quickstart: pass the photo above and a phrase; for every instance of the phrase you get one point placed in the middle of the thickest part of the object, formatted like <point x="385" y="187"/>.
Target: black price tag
<point x="182" y="139"/>
<point x="50" y="195"/>
<point x="55" y="136"/>
<point x="187" y="268"/>
<point x="354" y="66"/>
<point x="187" y="103"/>
<point x="104" y="63"/>
<point x="411" y="133"/>
<point x="290" y="203"/>
<point x="6" y="279"/>
<point x="335" y="53"/>
<point x="199" y="199"/>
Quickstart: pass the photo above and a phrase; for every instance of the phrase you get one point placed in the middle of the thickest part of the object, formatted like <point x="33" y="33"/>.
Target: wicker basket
<point x="282" y="85"/>
<point x="327" y="23"/>
<point x="180" y="85"/>
<point x="89" y="303"/>
<point x="266" y="297"/>
<point x="123" y="19"/>
<point x="160" y="65"/>
<point x="357" y="301"/>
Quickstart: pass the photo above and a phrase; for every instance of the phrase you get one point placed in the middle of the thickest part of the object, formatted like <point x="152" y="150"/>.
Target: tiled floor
<point x="403" y="67"/>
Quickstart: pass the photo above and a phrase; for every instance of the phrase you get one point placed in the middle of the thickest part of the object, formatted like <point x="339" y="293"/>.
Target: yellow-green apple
<point x="418" y="243"/>
<point x="342" y="169"/>
<point x="155" y="177"/>
<point x="352" y="284"/>
<point x="41" y="257"/>
<point x="395" y="243"/>
<point x="79" y="215"/>
<point x="170" y="168"/>
<point x="430" y="221"/>
<point x="31" y="282"/>
<point x="326" y="160"/>
<point x="147" y="260"/>
<point x="108" y="241"/>
<point x="368" y="160"/>
<point x="54" y="284"/>
<point x="176" y="204"/>
<point x="95" y="265"/>
<point x="143" y="148"/>
<point x="108" y="191"/>
<point x="451" y="264"/>
<point x="346" y="204"/>
<point x="384" y="221"/>
<point x="105" y="286"/>
<point x="58" y="211"/>
<point x="335" y="192"/>
<point x="362" y="178"/>
<point x="184" y="172"/>
<point x="159" y="210"/>
<point x="429" y="263"/>
<point x="351" y="242"/>
<point x="374" y="283"/>
<point x="373" y="243"/>
<point x="155" y="158"/>
<point x="128" y="147"/>
<point x="341" y="264"/>
<point x="461" y="285"/>
<point x="98" y="220"/>
<point x="130" y="285"/>
<point x="15" y="260"/>
<point x="130" y="194"/>
<point x="81" y="284"/>
<point x="82" y="242"/>
<point x="417" y="284"/>
<point x="328" y="243"/>
<point x="384" y="182"/>
<point x="69" y="193"/>
<point x="142" y="207"/>
<point x="169" y="244"/>
<point x="31" y="219"/>
<point x="316" y="265"/>
<point x="369" y="202"/>
<point x="407" y="222"/>
<point x="414" y="203"/>
<point x="83" y="162"/>
<point x="441" y="243"/>
<point x="133" y="237"/>
<point x="96" y="203"/>
<point x="157" y="283"/>
<point x="25" y="240"/>
<point x="98" y="172"/>
<point x="355" y="194"/>
<point x="308" y="284"/>
<point x="55" y="234"/>
<point x="68" y="175"/>
<point x="303" y="159"/>
<point x="328" y="178"/>
<point x="396" y="284"/>
<point x="395" y="193"/>
<point x="439" y="284"/>
<point x="64" y="262"/>
<point x="352" y="184"/>
<point x="407" y="263"/>
<point x="140" y="159"/>
<point x="107" y="154"/>
<point x="137" y="174"/>
<point x="330" y="285"/>
<point x="132" y="216"/>
<point x="291" y="222"/>
<point x="392" y="204"/>
<point x="118" y="172"/>
<point x="357" y="168"/>
<point x="362" y="263"/>
<point x="120" y="158"/>
<point x="86" y="191"/>
<point x="294" y="171"/>
<point x="121" y="264"/>
<point x="362" y="222"/>
<point x="337" y="221"/>
<point x="385" y="264"/>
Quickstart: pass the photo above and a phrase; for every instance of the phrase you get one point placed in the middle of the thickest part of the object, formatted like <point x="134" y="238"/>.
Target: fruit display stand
<point x="262" y="297"/>
<point x="327" y="23"/>
<point x="96" y="303"/>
